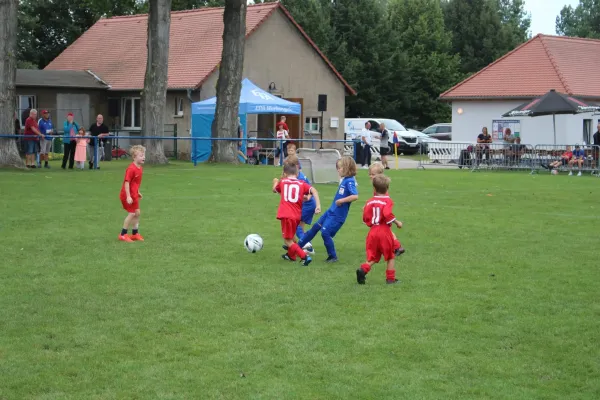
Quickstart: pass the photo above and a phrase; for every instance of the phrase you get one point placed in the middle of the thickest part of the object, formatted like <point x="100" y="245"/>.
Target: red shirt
<point x="31" y="123"/>
<point x="292" y="192"/>
<point x="284" y="125"/>
<point x="378" y="212"/>
<point x="133" y="175"/>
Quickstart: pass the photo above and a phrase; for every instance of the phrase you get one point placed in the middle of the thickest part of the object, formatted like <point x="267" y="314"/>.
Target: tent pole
<point x="554" y="126"/>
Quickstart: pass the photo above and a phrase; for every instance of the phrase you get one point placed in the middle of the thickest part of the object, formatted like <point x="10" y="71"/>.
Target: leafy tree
<point x="429" y="67"/>
<point x="581" y="21"/>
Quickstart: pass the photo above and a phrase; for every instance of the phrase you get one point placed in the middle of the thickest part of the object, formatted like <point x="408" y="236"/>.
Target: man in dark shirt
<point x="483" y="141"/>
<point x="98" y="130"/>
<point x="597" y="143"/>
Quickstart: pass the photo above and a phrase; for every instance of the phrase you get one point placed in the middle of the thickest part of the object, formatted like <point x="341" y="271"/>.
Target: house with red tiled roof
<point x="567" y="64"/>
<point x="279" y="57"/>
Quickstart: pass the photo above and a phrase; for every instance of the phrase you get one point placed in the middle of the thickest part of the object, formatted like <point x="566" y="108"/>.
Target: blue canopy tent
<point x="253" y="100"/>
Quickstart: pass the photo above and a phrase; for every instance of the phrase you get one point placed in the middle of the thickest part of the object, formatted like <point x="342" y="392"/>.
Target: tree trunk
<point x="154" y="97"/>
<point x="229" y="84"/>
<point x="9" y="155"/>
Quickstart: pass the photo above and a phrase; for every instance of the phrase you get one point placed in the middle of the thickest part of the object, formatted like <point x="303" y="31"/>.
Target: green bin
<point x="57" y="147"/>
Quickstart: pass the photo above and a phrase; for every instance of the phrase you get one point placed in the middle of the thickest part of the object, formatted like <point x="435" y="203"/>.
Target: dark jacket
<point x="597" y="138"/>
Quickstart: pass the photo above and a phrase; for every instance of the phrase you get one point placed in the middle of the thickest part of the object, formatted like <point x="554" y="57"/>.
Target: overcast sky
<point x="544" y="13"/>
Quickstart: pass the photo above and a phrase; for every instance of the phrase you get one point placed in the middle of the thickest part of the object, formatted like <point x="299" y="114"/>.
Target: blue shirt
<point x="310" y="203"/>
<point x="578" y="153"/>
<point x="347" y="188"/>
<point x="45" y="126"/>
<point x="67" y="130"/>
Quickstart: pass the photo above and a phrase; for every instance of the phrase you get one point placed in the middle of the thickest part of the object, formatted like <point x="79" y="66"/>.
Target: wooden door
<point x="294" y="122"/>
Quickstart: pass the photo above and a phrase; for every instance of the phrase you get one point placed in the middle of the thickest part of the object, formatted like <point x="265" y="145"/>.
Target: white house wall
<point x="477" y="114"/>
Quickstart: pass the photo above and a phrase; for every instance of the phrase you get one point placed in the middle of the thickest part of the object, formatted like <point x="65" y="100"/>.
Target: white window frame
<point x="310" y="120"/>
<point x="18" y="108"/>
<point x="123" y="103"/>
<point x="178" y="107"/>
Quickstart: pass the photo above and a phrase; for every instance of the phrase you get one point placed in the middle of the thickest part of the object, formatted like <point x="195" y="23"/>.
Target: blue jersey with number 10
<point x="347" y="188"/>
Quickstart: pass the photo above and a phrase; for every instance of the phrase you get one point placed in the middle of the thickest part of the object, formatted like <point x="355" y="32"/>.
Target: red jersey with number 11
<point x="292" y="192"/>
<point x="378" y="212"/>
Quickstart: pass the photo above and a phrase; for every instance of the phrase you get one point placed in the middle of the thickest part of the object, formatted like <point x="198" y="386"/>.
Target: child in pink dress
<point x="81" y="148"/>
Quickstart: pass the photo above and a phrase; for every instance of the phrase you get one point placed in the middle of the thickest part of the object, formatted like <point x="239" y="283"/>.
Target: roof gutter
<point x="98" y="78"/>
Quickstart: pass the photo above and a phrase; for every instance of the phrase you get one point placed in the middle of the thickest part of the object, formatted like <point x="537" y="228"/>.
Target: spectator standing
<point x="47" y="129"/>
<point x="32" y="135"/>
<point x="80" y="148"/>
<point x="367" y="141"/>
<point x="384" y="147"/>
<point x="282" y="121"/>
<point x="70" y="129"/>
<point x="98" y="131"/>
<point x="597" y="142"/>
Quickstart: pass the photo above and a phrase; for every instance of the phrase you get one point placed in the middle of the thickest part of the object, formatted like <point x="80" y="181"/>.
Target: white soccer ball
<point x="253" y="243"/>
<point x="554" y="172"/>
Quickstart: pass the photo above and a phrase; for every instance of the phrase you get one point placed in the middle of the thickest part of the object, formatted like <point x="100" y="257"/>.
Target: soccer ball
<point x="554" y="172"/>
<point x="253" y="243"/>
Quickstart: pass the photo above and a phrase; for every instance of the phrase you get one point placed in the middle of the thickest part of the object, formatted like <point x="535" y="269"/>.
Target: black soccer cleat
<point x="306" y="261"/>
<point x="361" y="276"/>
<point x="391" y="282"/>
<point x="287" y="258"/>
<point x="331" y="260"/>
<point x="285" y="247"/>
<point x="399" y="251"/>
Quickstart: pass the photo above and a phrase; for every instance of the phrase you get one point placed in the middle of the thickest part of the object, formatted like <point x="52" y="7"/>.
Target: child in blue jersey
<point x="332" y="220"/>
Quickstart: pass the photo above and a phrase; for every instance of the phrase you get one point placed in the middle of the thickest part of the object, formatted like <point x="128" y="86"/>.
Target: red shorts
<point x="380" y="242"/>
<point x="131" y="207"/>
<point x="288" y="228"/>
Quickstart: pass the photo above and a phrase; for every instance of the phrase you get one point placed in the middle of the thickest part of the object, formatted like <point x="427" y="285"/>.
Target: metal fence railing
<point x="474" y="156"/>
<point x="271" y="151"/>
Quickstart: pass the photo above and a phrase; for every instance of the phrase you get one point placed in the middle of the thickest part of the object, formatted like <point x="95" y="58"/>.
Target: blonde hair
<point x="138" y="148"/>
<point x="376" y="168"/>
<point x="381" y="184"/>
<point x="347" y="165"/>
<point x="292" y="159"/>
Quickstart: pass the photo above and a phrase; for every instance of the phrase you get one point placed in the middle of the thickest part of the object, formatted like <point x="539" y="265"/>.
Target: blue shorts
<point x="308" y="212"/>
<point x="330" y="225"/>
<point x="31" y="147"/>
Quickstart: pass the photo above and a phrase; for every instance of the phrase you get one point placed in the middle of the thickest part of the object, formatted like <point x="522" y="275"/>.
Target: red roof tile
<point x="569" y="65"/>
<point x="115" y="48"/>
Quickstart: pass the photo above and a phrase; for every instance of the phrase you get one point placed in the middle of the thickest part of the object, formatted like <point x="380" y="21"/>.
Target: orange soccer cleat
<point x="136" y="238"/>
<point x="125" y="238"/>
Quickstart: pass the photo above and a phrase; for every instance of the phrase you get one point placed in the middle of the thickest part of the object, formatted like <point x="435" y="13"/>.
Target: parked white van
<point x="408" y="141"/>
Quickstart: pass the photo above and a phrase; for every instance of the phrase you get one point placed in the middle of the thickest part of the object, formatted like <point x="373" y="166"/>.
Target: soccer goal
<point x="319" y="164"/>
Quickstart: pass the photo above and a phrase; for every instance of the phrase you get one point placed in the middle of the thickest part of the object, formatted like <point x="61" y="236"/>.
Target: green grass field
<point x="499" y="296"/>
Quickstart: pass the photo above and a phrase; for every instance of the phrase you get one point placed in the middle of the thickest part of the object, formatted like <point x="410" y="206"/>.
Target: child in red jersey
<point x="130" y="194"/>
<point x="292" y="192"/>
<point x="377" y="169"/>
<point x="379" y="217"/>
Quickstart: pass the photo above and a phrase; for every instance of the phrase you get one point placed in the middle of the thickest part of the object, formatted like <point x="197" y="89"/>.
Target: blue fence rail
<point x="278" y="144"/>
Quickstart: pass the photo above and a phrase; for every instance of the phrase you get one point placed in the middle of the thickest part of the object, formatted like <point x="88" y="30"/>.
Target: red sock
<point x="296" y="250"/>
<point x="366" y="267"/>
<point x="397" y="244"/>
<point x="390" y="274"/>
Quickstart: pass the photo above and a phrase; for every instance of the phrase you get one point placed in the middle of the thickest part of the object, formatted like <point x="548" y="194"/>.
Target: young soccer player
<point x="331" y="222"/>
<point x="292" y="191"/>
<point x="378" y="216"/>
<point x="377" y="169"/>
<point x="308" y="206"/>
<point x="130" y="194"/>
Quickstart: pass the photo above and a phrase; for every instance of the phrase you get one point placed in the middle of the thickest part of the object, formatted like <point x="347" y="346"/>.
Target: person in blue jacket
<point x="70" y="129"/>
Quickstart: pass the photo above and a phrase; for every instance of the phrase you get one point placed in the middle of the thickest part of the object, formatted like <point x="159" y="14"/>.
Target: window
<point x="312" y="124"/>
<point x="131" y="112"/>
<point x="178" y="106"/>
<point x="24" y="104"/>
<point x="429" y="130"/>
<point x="444" y="129"/>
